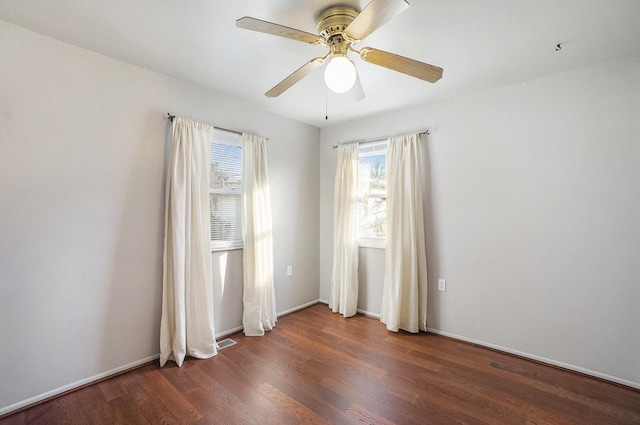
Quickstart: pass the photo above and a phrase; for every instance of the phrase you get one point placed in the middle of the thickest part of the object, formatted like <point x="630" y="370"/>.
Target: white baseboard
<point x="541" y="359"/>
<point x="300" y="307"/>
<point x="530" y="356"/>
<point x="228" y="332"/>
<point x="365" y="312"/>
<point x="370" y="314"/>
<point x="282" y="313"/>
<point x="32" y="400"/>
<point x="7" y="409"/>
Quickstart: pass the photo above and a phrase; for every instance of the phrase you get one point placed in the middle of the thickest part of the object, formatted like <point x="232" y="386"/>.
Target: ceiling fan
<point x="339" y="28"/>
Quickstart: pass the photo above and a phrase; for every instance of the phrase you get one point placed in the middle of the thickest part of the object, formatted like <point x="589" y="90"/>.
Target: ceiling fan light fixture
<point x="340" y="74"/>
<point x="338" y="28"/>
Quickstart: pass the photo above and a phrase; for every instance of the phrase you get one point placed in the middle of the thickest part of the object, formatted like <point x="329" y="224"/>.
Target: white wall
<point x="82" y="157"/>
<point x="534" y="216"/>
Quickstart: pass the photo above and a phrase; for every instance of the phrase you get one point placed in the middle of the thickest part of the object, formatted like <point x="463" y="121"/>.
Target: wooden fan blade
<point x="297" y="75"/>
<point x="254" y="24"/>
<point x="373" y="16"/>
<point x="356" y="93"/>
<point x="417" y="69"/>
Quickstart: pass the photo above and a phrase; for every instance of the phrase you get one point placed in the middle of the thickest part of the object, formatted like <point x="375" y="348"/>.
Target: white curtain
<point x="404" y="300"/>
<point x="343" y="297"/>
<point x="259" y="300"/>
<point x="186" y="326"/>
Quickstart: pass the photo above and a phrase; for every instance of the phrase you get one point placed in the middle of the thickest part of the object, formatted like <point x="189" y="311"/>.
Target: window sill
<point x="219" y="248"/>
<point x="377" y="243"/>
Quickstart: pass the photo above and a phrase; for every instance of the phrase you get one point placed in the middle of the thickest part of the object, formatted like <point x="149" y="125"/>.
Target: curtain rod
<point x="239" y="133"/>
<point x="378" y="139"/>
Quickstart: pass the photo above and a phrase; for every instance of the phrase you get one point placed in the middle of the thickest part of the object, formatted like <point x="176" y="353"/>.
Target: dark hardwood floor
<point x="318" y="368"/>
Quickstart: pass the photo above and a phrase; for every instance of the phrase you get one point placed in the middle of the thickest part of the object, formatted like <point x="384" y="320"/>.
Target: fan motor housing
<point x="334" y="20"/>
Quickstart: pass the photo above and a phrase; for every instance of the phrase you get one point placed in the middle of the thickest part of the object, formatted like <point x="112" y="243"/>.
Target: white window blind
<point x="372" y="193"/>
<point x="225" y="191"/>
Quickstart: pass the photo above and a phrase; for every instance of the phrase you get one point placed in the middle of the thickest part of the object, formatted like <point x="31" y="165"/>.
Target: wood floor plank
<point x="15" y="419"/>
<point x="212" y="410"/>
<point x="298" y="411"/>
<point x="111" y="388"/>
<point x="236" y="378"/>
<point x="213" y="396"/>
<point x="170" y="397"/>
<point x="44" y="413"/>
<point x="362" y="415"/>
<point x="318" y="367"/>
<point x="351" y="393"/>
<point x="151" y="395"/>
<point x="301" y="389"/>
<point x="97" y="409"/>
<point x="296" y="389"/>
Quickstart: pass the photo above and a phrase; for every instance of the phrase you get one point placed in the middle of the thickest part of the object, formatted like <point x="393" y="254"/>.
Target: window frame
<point x="224" y="137"/>
<point x="376" y="242"/>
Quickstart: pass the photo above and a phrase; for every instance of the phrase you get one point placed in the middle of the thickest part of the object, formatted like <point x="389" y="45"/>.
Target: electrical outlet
<point x="289" y="270"/>
<point x="442" y="285"/>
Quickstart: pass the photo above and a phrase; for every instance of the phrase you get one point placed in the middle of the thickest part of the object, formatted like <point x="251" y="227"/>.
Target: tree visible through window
<point x="225" y="191"/>
<point x="372" y="190"/>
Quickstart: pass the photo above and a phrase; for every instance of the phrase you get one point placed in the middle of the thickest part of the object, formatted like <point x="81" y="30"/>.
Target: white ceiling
<point x="479" y="43"/>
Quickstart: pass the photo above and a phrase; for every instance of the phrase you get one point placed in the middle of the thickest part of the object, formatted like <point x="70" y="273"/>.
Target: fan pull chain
<point x="326" y="103"/>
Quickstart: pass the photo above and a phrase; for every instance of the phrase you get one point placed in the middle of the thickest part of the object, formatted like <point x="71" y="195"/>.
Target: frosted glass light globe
<point x="340" y="74"/>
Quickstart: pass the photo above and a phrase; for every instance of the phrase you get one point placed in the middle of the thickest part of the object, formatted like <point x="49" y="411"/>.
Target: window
<point x="372" y="194"/>
<point x="225" y="190"/>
